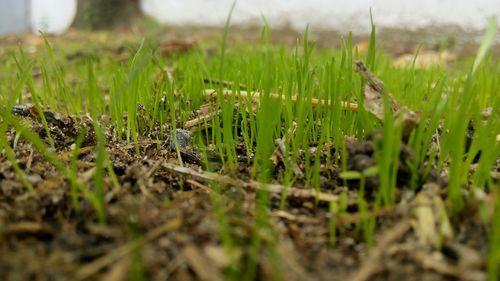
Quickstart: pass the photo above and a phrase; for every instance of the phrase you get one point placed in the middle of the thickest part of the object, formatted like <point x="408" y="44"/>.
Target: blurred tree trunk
<point x="106" y="14"/>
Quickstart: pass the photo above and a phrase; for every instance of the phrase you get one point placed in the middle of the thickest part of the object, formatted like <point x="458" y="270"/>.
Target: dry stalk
<point x="256" y="97"/>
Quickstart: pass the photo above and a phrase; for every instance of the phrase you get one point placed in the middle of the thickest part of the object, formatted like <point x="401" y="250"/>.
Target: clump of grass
<point x="139" y="104"/>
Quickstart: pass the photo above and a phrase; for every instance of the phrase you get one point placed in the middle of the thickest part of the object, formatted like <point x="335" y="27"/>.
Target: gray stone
<point x="183" y="138"/>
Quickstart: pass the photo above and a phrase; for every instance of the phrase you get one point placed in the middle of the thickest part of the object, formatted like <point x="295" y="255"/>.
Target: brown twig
<point x="292" y="217"/>
<point x="375" y="83"/>
<point x="27" y="227"/>
<point x="202" y="119"/>
<point x="372" y="264"/>
<point x="202" y="176"/>
<point x="212" y="93"/>
<point x="199" y="185"/>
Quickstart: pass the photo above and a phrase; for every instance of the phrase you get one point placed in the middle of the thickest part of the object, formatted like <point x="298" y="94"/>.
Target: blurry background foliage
<point x="106" y="14"/>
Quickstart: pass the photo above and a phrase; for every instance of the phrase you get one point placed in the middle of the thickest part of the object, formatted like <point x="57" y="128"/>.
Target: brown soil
<point x="44" y="238"/>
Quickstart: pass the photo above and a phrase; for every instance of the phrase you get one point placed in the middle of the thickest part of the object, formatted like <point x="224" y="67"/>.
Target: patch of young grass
<point x="452" y="136"/>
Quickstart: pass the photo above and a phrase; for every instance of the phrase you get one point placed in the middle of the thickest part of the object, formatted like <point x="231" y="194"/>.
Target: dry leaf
<point x="431" y="222"/>
<point x="374" y="101"/>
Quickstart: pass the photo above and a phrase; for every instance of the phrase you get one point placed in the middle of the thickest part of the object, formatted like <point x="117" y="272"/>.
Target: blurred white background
<point x="55" y="16"/>
<point x="52" y="16"/>
<point x="327" y="14"/>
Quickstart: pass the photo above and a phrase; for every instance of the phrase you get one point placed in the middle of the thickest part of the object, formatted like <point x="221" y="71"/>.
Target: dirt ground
<point x="162" y="224"/>
<point x="164" y="221"/>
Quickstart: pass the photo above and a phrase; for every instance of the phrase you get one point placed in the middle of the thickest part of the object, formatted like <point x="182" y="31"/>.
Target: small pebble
<point x="183" y="138"/>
